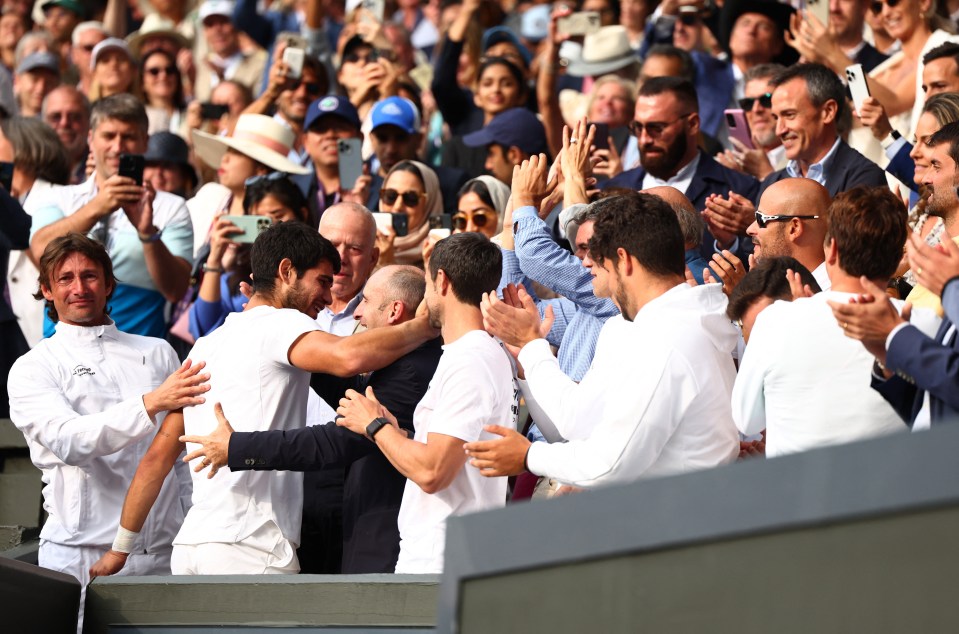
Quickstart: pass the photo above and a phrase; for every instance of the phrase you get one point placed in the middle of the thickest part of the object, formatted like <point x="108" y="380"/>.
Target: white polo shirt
<point x="251" y="376"/>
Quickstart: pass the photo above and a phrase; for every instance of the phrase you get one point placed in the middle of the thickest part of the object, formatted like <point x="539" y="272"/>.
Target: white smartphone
<point x="856" y="78"/>
<point x="293" y="58"/>
<point x="376" y="7"/>
<point x="820" y="9"/>
<point x="439" y="234"/>
<point x="581" y="23"/>
<point x="399" y="222"/>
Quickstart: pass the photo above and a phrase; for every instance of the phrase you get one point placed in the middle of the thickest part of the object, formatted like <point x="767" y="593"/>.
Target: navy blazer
<point x="373" y="488"/>
<point x="849" y="168"/>
<point x="925" y="365"/>
<point x="869" y="56"/>
<point x="903" y="167"/>
<point x="710" y="178"/>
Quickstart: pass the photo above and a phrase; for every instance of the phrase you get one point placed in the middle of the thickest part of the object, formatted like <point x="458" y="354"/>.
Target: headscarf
<point x="408" y="249"/>
<point x="498" y="193"/>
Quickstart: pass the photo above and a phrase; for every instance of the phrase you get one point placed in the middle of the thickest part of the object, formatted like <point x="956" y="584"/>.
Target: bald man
<point x="791" y="221"/>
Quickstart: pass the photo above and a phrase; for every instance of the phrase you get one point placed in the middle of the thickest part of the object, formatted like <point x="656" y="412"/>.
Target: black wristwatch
<point x="375" y="426"/>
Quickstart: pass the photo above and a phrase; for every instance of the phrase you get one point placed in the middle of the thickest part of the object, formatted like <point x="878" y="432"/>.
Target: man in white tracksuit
<point x="89" y="401"/>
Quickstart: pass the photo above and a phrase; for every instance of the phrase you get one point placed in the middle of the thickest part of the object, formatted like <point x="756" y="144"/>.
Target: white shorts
<point x="76" y="561"/>
<point x="216" y="558"/>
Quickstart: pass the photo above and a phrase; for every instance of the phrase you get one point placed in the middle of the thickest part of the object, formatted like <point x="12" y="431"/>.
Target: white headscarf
<point x="498" y="193"/>
<point x="408" y="249"/>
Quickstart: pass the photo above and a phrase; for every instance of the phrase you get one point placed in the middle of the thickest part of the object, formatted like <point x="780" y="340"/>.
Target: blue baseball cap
<point x="499" y="34"/>
<point x="396" y="111"/>
<point x="514" y="127"/>
<point x="331" y="106"/>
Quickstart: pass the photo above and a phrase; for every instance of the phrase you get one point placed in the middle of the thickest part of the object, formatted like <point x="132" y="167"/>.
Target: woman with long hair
<point x="162" y="89"/>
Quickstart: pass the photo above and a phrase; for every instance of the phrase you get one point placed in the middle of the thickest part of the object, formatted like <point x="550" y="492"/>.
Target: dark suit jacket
<point x="710" y="178"/>
<point x="848" y="169"/>
<point x="373" y="488"/>
<point x="925" y="365"/>
<point x="903" y="167"/>
<point x="869" y="57"/>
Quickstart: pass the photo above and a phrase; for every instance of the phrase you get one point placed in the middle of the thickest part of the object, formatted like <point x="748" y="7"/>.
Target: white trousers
<point x="216" y="558"/>
<point x="76" y="561"/>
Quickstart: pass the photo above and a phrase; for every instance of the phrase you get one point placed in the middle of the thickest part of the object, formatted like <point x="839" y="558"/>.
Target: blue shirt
<point x="816" y="171"/>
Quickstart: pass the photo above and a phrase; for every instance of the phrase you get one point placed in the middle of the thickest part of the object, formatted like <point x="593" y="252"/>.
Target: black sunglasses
<point x="747" y="103"/>
<point x="688" y="18"/>
<point x="461" y="220"/>
<point x="764" y="219"/>
<point x="410" y="198"/>
<point x="876" y="7"/>
<point x="312" y="87"/>
<point x="169" y="70"/>
<point x="654" y="128"/>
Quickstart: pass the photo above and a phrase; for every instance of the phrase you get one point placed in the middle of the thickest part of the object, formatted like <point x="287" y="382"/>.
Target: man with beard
<point x="666" y="125"/>
<point x="941" y="176"/>
<point x="473" y="387"/>
<point x="249" y="523"/>
<point x="791" y="221"/>
<point x="769" y="153"/>
<point x="807" y="103"/>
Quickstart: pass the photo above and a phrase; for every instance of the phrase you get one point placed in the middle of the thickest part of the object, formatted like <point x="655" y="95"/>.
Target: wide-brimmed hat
<point x="155" y="25"/>
<point x="257" y="136"/>
<point x="166" y="147"/>
<point x="778" y="12"/>
<point x="605" y="51"/>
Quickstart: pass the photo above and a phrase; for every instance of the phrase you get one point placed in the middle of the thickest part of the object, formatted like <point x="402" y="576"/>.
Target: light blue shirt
<point x="817" y="171"/>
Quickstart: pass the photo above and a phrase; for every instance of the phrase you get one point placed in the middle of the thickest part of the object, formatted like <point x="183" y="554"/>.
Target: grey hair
<point x="123" y="107"/>
<point x="89" y="25"/>
<point x="690" y="223"/>
<point x="763" y="71"/>
<point x="38" y="149"/>
<point x="28" y="39"/>
<point x="76" y="93"/>
<point x="362" y="211"/>
<point x="405" y="283"/>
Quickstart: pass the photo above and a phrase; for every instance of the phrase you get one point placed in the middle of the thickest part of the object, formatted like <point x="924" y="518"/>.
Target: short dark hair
<point x="645" y="226"/>
<point x="868" y="225"/>
<point x="682" y="89"/>
<point x="38" y="149"/>
<point x="948" y="49"/>
<point x="58" y="250"/>
<point x="687" y="67"/>
<point x="299" y="242"/>
<point x="283" y="189"/>
<point x="123" y="107"/>
<point x="822" y="84"/>
<point x="472" y="264"/>
<point x="767" y="279"/>
<point x="948" y="133"/>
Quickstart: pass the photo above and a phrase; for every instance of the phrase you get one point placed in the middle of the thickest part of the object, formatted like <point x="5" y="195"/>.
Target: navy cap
<point x="42" y="60"/>
<point x="166" y="147"/>
<point x="499" y="34"/>
<point x="331" y="106"/>
<point x="516" y="126"/>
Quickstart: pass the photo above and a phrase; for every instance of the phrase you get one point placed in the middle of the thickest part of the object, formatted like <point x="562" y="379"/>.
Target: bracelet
<point x="211" y="269"/>
<point x="123" y="542"/>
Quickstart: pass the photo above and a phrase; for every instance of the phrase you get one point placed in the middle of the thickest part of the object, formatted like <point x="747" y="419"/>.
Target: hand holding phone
<point x="739" y="127"/>
<point x="212" y="111"/>
<point x="293" y="58"/>
<point x="856" y="77"/>
<point x="399" y="222"/>
<point x="252" y="227"/>
<point x="131" y="166"/>
<point x="580" y="23"/>
<point x="350" y="160"/>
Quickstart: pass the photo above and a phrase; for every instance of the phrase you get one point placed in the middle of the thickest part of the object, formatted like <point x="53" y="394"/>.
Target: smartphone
<point x="442" y="221"/>
<point x="293" y="58"/>
<point x="252" y="227"/>
<point x="739" y="127"/>
<point x="601" y="138"/>
<point x="212" y="111"/>
<point x="856" y="78"/>
<point x="399" y="222"/>
<point x="6" y="175"/>
<point x="422" y="76"/>
<point x="376" y="7"/>
<point x="439" y="234"/>
<point x="293" y="40"/>
<point x="350" y="162"/>
<point x="820" y="9"/>
<point x="131" y="166"/>
<point x="580" y="23"/>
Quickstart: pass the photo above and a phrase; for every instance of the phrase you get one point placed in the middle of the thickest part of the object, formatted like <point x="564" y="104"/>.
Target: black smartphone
<point x="398" y="221"/>
<point x="6" y="175"/>
<point x="131" y="166"/>
<point x="442" y="221"/>
<point x="212" y="111"/>
<point x="601" y="138"/>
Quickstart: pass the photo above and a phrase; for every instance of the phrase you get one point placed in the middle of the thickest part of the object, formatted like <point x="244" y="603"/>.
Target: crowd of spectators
<point x="441" y="255"/>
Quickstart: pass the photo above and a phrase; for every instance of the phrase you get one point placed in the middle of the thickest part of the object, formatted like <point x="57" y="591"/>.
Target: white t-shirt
<point x="473" y="386"/>
<point x="251" y="376"/>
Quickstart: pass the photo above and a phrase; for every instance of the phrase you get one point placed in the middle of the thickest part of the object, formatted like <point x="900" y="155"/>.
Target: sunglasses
<point x="480" y="220"/>
<point x="747" y="103"/>
<point x="312" y="87"/>
<point x="764" y="219"/>
<point x="876" y="7"/>
<point x="263" y="179"/>
<point x="655" y="128"/>
<point x="157" y="71"/>
<point x="410" y="198"/>
<point x="688" y="18"/>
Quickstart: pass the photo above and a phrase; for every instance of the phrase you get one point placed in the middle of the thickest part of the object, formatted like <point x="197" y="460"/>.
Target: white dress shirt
<point x="662" y="384"/>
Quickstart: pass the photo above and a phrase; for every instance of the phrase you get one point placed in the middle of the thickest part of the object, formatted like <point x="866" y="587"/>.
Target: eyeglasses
<point x="763" y="219"/>
<point x="688" y="18"/>
<point x="263" y="179"/>
<point x="158" y="70"/>
<point x="876" y="7"/>
<point x="747" y="103"/>
<point x="312" y="88"/>
<point x="53" y="118"/>
<point x="479" y="218"/>
<point x="655" y="128"/>
<point x="410" y="198"/>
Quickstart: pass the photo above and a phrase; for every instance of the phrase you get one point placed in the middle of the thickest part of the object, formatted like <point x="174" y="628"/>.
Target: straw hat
<point x="257" y="136"/>
<point x="155" y="25"/>
<point x="605" y="51"/>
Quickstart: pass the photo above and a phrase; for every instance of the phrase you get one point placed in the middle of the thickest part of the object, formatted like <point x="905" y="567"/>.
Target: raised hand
<point x="215" y="448"/>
